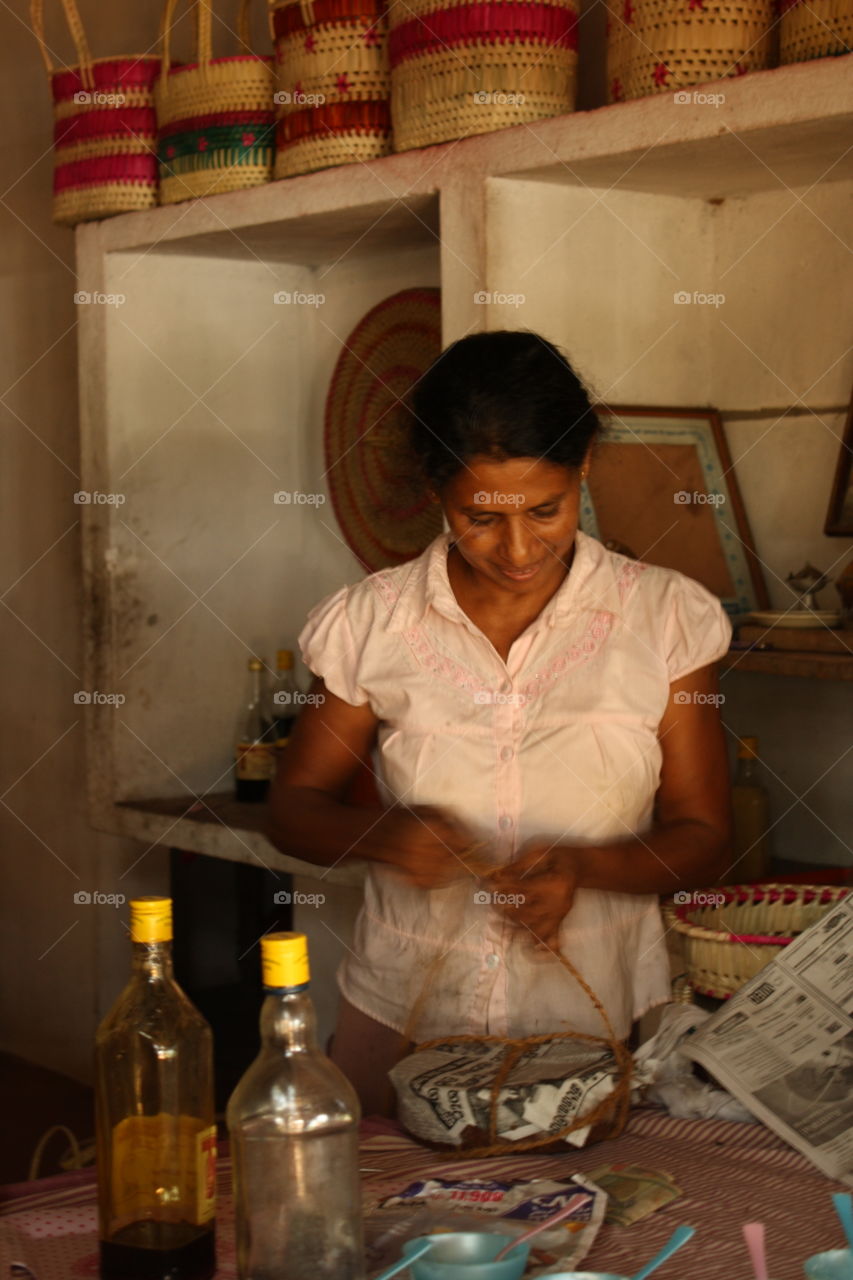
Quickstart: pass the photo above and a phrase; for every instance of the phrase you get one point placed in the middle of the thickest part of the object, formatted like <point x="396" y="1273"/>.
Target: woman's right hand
<point x="423" y="843"/>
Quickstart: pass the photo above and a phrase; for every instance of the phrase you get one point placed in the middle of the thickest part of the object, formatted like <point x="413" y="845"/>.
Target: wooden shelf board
<point x="788" y="126"/>
<point x="810" y="666"/>
<point x="220" y="827"/>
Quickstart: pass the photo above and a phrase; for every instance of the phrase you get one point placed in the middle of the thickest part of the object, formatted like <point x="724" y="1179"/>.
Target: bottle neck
<point x="152" y="961"/>
<point x="747" y="770"/>
<point x="254" y="688"/>
<point x="288" y="1021"/>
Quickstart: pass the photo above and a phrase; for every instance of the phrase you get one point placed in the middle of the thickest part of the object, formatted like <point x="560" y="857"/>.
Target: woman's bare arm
<point x="309" y="820"/>
<point x="689" y="845"/>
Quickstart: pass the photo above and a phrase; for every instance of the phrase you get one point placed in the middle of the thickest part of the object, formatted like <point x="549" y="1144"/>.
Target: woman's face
<point x="514" y="522"/>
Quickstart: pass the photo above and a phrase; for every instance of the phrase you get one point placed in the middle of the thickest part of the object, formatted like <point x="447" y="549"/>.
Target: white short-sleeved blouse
<point x="560" y="742"/>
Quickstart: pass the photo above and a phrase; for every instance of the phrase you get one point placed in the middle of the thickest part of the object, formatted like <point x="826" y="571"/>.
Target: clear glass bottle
<point x="293" y="1123"/>
<point x="284" y="706"/>
<point x="255" y="754"/>
<point x="154" y="1118"/>
<point x="751" y="812"/>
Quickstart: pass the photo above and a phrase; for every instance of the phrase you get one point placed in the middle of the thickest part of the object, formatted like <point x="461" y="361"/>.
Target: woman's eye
<point x="545" y="515"/>
<point x="483" y="520"/>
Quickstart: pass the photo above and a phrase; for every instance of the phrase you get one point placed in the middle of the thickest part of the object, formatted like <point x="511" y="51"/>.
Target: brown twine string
<point x="613" y="1108"/>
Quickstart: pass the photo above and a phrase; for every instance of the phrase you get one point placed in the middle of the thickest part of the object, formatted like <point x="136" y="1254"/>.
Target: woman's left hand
<point x="541" y="884"/>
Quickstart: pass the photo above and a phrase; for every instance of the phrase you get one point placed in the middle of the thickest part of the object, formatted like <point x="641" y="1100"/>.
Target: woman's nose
<point x="518" y="546"/>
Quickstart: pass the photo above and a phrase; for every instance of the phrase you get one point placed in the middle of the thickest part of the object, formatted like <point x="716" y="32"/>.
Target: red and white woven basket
<point x="105" y="159"/>
<point x="814" y="29"/>
<point x="470" y="67"/>
<point x="332" y="83"/>
<point x="660" y="46"/>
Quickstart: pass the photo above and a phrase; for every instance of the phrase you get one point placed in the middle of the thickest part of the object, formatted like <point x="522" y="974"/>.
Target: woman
<point x="526" y="691"/>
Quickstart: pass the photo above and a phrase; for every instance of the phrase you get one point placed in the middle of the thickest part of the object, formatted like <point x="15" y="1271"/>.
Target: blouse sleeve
<point x="698" y="630"/>
<point x="330" y="649"/>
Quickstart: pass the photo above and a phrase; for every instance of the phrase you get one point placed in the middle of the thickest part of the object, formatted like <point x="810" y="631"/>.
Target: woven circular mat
<point x="379" y="499"/>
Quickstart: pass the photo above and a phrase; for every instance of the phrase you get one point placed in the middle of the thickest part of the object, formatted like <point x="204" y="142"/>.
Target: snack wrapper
<point x="507" y="1206"/>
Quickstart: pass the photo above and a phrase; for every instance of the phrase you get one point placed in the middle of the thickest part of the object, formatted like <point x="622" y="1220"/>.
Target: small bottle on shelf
<point x="284" y="698"/>
<point x="293" y="1122"/>
<point x="154" y="1117"/>
<point x="255" y="752"/>
<point x="751" y="810"/>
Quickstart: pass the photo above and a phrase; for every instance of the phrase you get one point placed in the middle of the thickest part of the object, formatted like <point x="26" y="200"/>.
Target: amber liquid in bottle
<point x="155" y="1122"/>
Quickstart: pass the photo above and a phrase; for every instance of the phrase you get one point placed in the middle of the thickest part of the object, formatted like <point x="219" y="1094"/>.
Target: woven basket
<point x="104" y="128"/>
<point x="474" y="66"/>
<point x="726" y="945"/>
<point x="215" y="117"/>
<point x="333" y="83"/>
<point x="659" y="46"/>
<point x="814" y="29"/>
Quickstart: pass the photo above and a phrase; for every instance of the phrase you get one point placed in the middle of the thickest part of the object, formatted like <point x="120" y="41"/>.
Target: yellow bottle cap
<point x="256" y="664"/>
<point x="748" y="749"/>
<point x="151" y="919"/>
<point x="284" y="659"/>
<point x="284" y="960"/>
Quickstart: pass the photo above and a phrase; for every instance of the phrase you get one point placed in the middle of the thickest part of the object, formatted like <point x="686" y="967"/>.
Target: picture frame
<point x="839" y="516"/>
<point x="662" y="488"/>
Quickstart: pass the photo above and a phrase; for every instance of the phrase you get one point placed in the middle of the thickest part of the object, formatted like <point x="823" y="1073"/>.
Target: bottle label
<point x="163" y="1167"/>
<point x="255" y="761"/>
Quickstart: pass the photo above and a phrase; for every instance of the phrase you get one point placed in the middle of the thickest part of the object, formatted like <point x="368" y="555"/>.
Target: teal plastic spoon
<point x="843" y="1202"/>
<point x="679" y="1237"/>
<point x="407" y="1261"/>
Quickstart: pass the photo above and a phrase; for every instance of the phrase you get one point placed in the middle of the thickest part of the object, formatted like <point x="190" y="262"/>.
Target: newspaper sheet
<point x="783" y="1044"/>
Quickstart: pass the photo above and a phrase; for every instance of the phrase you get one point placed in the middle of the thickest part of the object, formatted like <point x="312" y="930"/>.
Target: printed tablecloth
<point x="729" y="1173"/>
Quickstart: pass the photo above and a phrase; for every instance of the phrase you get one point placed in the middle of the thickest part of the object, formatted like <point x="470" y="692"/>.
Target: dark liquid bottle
<point x="155" y="1124"/>
<point x="255" y="754"/>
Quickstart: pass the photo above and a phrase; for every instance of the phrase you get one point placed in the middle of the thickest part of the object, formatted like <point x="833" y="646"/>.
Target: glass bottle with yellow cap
<point x="154" y="1115"/>
<point x="293" y="1122"/>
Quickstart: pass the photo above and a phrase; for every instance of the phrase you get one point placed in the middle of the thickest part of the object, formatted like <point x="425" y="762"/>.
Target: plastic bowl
<point x="467" y="1255"/>
<point x="835" y="1264"/>
<point x="585" y="1275"/>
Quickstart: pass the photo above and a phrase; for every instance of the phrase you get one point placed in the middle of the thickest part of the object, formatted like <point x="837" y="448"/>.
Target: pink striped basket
<point x="104" y="128"/>
<point x="730" y="933"/>
<point x="470" y="67"/>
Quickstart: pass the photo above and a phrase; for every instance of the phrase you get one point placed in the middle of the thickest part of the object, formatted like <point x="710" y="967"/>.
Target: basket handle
<point x="204" y="37"/>
<point x="78" y="35"/>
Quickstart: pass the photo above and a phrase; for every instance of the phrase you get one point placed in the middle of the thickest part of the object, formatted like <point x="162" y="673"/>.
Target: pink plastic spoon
<point x="753" y="1234"/>
<point x="574" y="1203"/>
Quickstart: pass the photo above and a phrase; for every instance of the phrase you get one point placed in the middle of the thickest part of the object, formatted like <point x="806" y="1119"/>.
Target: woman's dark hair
<point x="507" y="394"/>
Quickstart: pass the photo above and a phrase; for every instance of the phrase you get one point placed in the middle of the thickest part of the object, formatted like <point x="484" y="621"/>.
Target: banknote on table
<point x="633" y="1192"/>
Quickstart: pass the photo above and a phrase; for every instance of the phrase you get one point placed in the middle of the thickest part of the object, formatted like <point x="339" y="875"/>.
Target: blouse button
<point x="505" y="822"/>
<point x="506" y="753"/>
<point x="492" y="961"/>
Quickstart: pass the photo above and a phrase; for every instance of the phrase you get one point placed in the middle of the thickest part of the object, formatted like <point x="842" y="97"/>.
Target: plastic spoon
<point x="753" y="1234"/>
<point x="407" y="1261"/>
<point x="844" y="1208"/>
<point x="569" y="1207"/>
<point x="679" y="1237"/>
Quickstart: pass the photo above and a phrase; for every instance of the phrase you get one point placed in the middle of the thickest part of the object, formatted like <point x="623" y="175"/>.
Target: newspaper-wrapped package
<point x="444" y="1092"/>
